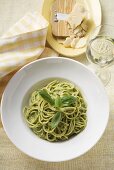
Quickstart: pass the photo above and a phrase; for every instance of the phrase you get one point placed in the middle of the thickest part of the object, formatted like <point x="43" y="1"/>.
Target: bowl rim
<point x="18" y="72"/>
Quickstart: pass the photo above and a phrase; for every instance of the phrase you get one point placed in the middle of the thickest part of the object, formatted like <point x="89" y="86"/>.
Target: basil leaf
<point x="56" y="119"/>
<point x="46" y="96"/>
<point x="58" y="102"/>
<point x="68" y="100"/>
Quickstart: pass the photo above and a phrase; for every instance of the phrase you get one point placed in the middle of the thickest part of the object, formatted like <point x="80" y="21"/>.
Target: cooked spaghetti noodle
<point x="57" y="111"/>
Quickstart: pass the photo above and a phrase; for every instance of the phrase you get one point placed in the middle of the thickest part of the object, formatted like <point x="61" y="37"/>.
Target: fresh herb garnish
<point x="68" y="100"/>
<point x="46" y="96"/>
<point x="58" y="102"/>
<point x="65" y="101"/>
<point x="56" y="120"/>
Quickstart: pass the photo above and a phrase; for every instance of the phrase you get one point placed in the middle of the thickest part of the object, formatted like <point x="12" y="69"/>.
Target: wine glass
<point x="100" y="51"/>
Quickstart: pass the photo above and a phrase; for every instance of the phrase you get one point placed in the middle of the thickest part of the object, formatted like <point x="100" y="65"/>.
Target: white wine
<point x="100" y="50"/>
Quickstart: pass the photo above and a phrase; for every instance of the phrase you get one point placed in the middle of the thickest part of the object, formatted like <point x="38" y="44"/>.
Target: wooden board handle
<point x="60" y="28"/>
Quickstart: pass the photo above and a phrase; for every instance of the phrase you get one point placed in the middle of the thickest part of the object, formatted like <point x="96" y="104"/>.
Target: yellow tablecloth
<point x="101" y="156"/>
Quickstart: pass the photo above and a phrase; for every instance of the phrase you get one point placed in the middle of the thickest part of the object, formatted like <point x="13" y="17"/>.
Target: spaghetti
<point x="57" y="111"/>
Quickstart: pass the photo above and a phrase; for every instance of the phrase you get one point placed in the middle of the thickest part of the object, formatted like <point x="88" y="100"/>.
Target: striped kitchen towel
<point x="23" y="43"/>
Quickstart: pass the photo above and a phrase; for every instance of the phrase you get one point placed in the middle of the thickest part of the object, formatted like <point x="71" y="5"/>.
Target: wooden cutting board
<point x="60" y="28"/>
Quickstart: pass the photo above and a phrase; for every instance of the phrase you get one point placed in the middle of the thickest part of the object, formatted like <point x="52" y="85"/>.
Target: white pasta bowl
<point x="19" y="86"/>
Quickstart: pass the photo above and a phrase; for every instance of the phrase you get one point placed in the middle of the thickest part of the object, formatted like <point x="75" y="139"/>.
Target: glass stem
<point x="104" y="74"/>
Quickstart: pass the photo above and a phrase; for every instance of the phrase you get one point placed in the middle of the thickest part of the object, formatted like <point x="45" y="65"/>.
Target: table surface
<point x="101" y="156"/>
